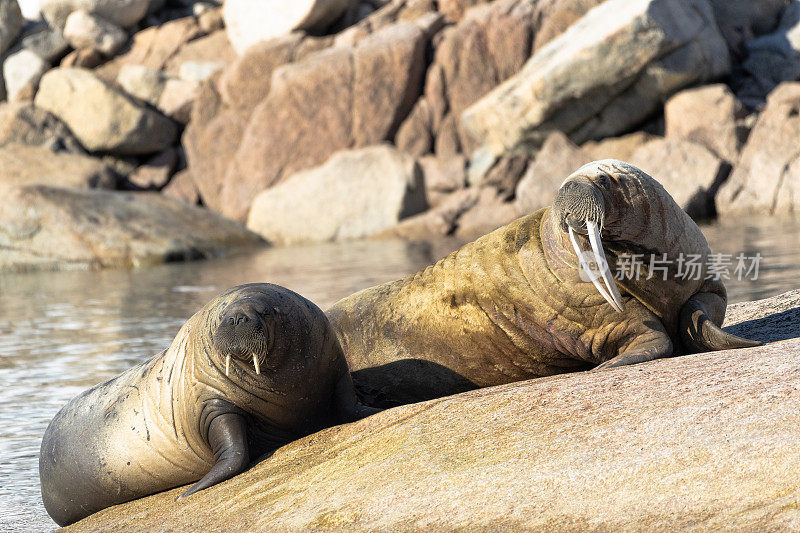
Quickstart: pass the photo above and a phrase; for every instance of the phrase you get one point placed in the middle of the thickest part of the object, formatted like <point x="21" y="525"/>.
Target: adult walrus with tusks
<point x="257" y="367"/>
<point x="512" y="306"/>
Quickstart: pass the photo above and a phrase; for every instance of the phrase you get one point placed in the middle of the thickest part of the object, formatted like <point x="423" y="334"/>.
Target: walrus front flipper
<point x="699" y="333"/>
<point x="653" y="347"/>
<point x="347" y="404"/>
<point x="227" y="435"/>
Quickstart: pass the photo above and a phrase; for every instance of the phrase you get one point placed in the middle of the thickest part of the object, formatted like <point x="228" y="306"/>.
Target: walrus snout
<point x="244" y="332"/>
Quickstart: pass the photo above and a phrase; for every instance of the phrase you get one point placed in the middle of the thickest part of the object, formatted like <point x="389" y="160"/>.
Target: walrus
<point x="257" y="367"/>
<point x="512" y="305"/>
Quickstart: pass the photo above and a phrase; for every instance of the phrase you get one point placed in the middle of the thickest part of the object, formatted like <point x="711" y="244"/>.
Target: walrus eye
<point x="600" y="260"/>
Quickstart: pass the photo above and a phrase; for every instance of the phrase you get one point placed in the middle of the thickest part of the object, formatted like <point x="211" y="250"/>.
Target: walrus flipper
<point x="347" y="404"/>
<point x="648" y="349"/>
<point x="699" y="333"/>
<point x="227" y="435"/>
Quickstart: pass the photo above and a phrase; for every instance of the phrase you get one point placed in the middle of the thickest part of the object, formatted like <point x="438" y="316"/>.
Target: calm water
<point x="61" y="333"/>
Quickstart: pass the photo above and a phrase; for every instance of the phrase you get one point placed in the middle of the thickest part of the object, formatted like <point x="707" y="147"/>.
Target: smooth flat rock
<point x="355" y="194"/>
<point x="44" y="227"/>
<point x="252" y="21"/>
<point x="605" y="74"/>
<point x="695" y="443"/>
<point x="102" y="117"/>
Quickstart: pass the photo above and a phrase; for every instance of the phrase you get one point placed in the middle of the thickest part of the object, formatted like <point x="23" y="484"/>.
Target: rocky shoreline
<point x="343" y="119"/>
<point x="698" y="442"/>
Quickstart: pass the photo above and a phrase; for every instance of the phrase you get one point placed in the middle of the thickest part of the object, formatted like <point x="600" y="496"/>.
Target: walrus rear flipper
<point x="699" y="333"/>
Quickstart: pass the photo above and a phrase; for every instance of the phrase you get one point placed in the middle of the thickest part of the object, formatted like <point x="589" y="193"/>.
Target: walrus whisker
<point x="227" y="364"/>
<point x="255" y="364"/>
<point x="600" y="257"/>
<point x="589" y="271"/>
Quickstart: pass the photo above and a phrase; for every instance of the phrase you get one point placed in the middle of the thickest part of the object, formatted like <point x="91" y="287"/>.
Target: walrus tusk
<point x="227" y="364"/>
<point x="255" y="364"/>
<point x="600" y="255"/>
<point x="601" y="263"/>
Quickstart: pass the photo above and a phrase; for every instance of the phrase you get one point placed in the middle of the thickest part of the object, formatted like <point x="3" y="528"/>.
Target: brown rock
<point x="701" y="442"/>
<point x="84" y="58"/>
<point x="211" y="20"/>
<point x="155" y="173"/>
<point x="22" y="165"/>
<point x="181" y="187"/>
<point x="212" y="48"/>
<point x="25" y="123"/>
<point x="455" y="9"/>
<point x="415" y="135"/>
<point x="765" y="178"/>
<point x="688" y="171"/>
<point x="506" y="174"/>
<point x="709" y="116"/>
<point x="286" y="134"/>
<point x="489" y="212"/>
<point x="444" y="174"/>
<point x="621" y="148"/>
<point x="153" y="47"/>
<point x="177" y="99"/>
<point x="557" y="159"/>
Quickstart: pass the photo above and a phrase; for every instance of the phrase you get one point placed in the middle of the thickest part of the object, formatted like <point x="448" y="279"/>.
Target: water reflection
<point x="63" y="332"/>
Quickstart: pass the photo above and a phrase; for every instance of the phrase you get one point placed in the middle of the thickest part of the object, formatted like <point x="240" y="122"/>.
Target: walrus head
<point x="246" y="331"/>
<point x="620" y="209"/>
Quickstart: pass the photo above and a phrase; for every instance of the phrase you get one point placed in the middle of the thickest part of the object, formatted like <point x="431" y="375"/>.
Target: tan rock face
<point x="355" y="194"/>
<point x="689" y="172"/>
<point x="103" y="118"/>
<point x="577" y="82"/>
<point x="698" y="442"/>
<point x="22" y="165"/>
<point x="709" y="116"/>
<point x="765" y="180"/>
<point x="621" y="148"/>
<point x="360" y="95"/>
<point x="557" y="159"/>
<point x="57" y="228"/>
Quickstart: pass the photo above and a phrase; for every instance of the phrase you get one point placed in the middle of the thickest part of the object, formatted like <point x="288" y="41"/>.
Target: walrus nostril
<point x="239" y="318"/>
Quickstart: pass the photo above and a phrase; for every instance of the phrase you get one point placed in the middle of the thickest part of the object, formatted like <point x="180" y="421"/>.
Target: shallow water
<point x="63" y="332"/>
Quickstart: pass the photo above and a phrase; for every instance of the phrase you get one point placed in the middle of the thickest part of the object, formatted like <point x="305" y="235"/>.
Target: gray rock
<point x="59" y="228"/>
<point x="608" y="72"/>
<point x="766" y="179"/>
<point x="85" y="30"/>
<point x="251" y="21"/>
<point x="24" y="123"/>
<point x="123" y="13"/>
<point x="47" y="43"/>
<point x="774" y="58"/>
<point x="22" y="71"/>
<point x="103" y="118"/>
<point x="740" y="20"/>
<point x="355" y="194"/>
<point x="11" y="22"/>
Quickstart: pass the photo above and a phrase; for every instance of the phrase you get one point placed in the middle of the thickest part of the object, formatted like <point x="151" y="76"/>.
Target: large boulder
<point x="124" y="13"/>
<point x="689" y="172"/>
<point x="336" y="99"/>
<point x="605" y="74"/>
<point x="767" y="177"/>
<point x="354" y="194"/>
<point x="24" y="123"/>
<point x="50" y="227"/>
<point x="23" y="165"/>
<point x="701" y="442"/>
<point x="708" y="115"/>
<point x="251" y="21"/>
<point x="102" y="117"/>
<point x="11" y="22"/>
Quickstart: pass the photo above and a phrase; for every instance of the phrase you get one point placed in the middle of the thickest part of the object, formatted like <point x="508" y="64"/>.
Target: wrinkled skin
<point x="257" y="367"/>
<point x="512" y="306"/>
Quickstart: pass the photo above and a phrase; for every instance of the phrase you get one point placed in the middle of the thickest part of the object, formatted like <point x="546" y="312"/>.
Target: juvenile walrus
<point x="512" y="306"/>
<point x="257" y="367"/>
